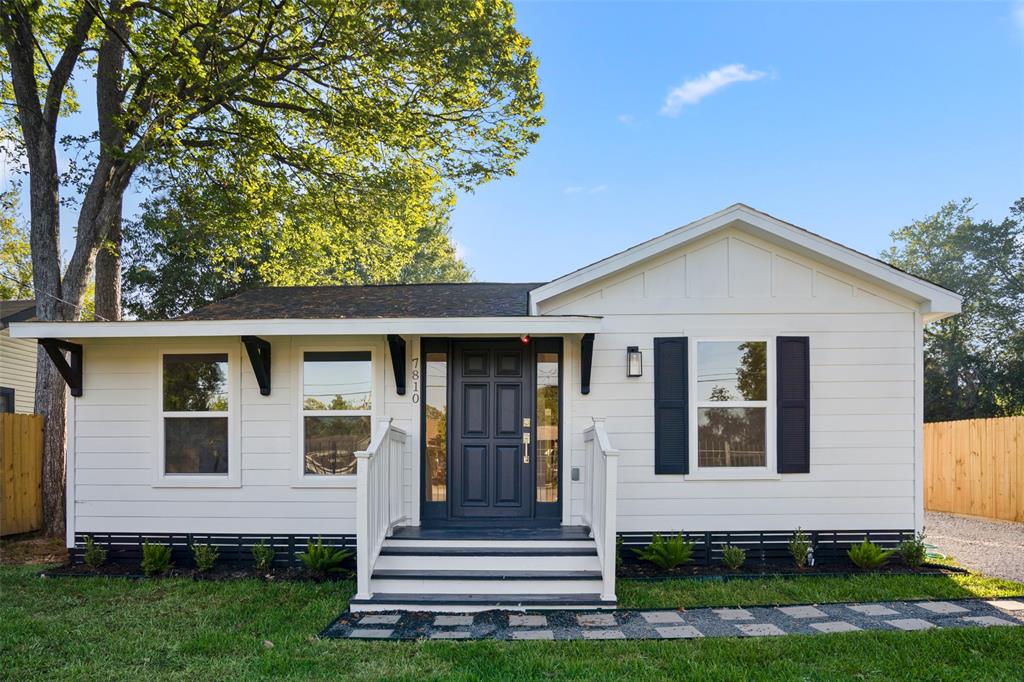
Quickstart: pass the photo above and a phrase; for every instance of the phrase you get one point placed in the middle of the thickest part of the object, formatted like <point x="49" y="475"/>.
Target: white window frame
<point x="300" y="479"/>
<point x="233" y="479"/>
<point x="769" y="470"/>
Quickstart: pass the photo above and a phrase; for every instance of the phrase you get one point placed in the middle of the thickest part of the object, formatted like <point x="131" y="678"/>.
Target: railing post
<point x="363" y="525"/>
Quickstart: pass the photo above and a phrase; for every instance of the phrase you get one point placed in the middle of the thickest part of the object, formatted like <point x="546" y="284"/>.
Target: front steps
<point x="479" y="571"/>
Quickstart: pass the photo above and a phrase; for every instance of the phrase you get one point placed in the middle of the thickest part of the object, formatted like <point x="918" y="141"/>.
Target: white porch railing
<point x="379" y="477"/>
<point x="601" y="494"/>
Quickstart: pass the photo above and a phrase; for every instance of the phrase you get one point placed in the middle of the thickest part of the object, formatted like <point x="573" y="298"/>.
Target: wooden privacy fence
<point x="975" y="467"/>
<point x="21" y="473"/>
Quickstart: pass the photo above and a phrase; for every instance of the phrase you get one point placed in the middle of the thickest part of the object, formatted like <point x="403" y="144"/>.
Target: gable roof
<point x="935" y="301"/>
<point x="472" y="299"/>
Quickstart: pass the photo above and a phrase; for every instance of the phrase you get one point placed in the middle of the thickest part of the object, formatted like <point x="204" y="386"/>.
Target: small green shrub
<point x="733" y="557"/>
<point x="95" y="555"/>
<point x="913" y="551"/>
<point x="667" y="554"/>
<point x="869" y="556"/>
<point x="618" y="553"/>
<point x="262" y="556"/>
<point x="799" y="545"/>
<point x="321" y="559"/>
<point x="205" y="556"/>
<point x="156" y="558"/>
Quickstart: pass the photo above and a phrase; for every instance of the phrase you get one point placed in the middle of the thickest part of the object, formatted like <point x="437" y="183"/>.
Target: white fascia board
<point x="448" y="326"/>
<point x="933" y="297"/>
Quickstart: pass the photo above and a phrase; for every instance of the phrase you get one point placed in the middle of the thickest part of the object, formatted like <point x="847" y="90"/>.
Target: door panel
<point x="493" y="392"/>
<point x="475" y="417"/>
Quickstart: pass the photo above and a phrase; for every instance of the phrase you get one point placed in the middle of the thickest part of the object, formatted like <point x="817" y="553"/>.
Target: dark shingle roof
<point x="16" y="311"/>
<point x="474" y="299"/>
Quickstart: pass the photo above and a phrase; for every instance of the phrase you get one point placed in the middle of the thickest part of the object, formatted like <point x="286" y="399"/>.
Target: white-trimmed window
<point x="732" y="416"/>
<point x="336" y="412"/>
<point x="198" y="443"/>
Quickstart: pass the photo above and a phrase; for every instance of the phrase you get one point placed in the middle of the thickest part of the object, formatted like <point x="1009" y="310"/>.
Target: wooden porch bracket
<point x="396" y="345"/>
<point x="586" y="362"/>
<point x="72" y="372"/>
<point x="259" y="356"/>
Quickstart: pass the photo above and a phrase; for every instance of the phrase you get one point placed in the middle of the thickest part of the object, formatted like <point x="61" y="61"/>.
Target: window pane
<point x="196" y="445"/>
<point x="547" y="427"/>
<point x="197" y="382"/>
<point x="337" y="381"/>
<point x="731" y="437"/>
<point x="437" y="426"/>
<point x="330" y="441"/>
<point x="727" y="370"/>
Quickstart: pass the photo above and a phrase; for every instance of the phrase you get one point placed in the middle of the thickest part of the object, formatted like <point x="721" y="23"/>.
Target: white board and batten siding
<point x="865" y="350"/>
<point x="115" y="450"/>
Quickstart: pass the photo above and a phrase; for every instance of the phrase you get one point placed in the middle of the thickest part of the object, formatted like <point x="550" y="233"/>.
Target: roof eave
<point x="452" y="326"/>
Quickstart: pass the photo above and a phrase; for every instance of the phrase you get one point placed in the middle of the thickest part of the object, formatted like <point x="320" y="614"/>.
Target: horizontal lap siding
<point x="862" y="408"/>
<point x="116" y="445"/>
<point x="18" y="370"/>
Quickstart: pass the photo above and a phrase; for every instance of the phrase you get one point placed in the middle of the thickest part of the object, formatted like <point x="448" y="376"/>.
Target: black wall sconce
<point x="634" y="362"/>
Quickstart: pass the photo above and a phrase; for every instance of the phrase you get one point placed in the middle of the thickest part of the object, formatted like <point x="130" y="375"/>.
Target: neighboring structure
<point x="17" y="359"/>
<point x="484" y="444"/>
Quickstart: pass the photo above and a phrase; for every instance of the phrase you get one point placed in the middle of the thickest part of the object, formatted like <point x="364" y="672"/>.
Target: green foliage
<point x="15" y="250"/>
<point x="799" y="544"/>
<point x="667" y="554"/>
<point x="321" y="559"/>
<point x="974" y="361"/>
<point x="156" y="558"/>
<point x="869" y="556"/>
<point x="913" y="550"/>
<point x="733" y="557"/>
<point x="205" y="556"/>
<point x="94" y="555"/>
<point x="262" y="556"/>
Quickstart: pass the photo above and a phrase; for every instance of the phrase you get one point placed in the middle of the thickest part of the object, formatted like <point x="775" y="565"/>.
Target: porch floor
<point x="491" y="533"/>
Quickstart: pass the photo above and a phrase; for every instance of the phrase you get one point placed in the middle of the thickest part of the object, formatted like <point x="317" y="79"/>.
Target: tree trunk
<point x="108" y="273"/>
<point x="51" y="400"/>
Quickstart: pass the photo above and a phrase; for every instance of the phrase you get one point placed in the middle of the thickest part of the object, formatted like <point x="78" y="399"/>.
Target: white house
<point x="484" y="444"/>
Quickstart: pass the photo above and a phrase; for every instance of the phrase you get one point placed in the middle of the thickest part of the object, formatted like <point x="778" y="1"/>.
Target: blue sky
<point x="849" y="119"/>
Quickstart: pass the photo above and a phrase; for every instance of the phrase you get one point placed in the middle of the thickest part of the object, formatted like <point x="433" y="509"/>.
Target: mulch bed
<point x="217" y="573"/>
<point x="648" y="571"/>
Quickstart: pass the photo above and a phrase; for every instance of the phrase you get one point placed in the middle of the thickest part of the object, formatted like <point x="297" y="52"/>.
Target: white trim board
<point x="442" y="326"/>
<point x="935" y="301"/>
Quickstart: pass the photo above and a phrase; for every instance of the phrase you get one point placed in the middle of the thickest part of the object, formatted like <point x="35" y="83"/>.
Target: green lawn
<point x="102" y="629"/>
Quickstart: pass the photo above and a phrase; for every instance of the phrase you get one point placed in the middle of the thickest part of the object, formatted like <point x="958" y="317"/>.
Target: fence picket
<point x="21" y="457"/>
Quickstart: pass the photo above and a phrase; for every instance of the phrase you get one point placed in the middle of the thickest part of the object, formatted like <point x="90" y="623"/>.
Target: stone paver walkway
<point x="752" y="621"/>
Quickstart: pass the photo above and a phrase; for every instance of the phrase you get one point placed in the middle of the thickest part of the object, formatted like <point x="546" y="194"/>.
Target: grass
<point x="817" y="590"/>
<point x="107" y="629"/>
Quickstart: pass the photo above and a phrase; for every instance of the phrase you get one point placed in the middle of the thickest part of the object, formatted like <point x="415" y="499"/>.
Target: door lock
<point x="526" y="448"/>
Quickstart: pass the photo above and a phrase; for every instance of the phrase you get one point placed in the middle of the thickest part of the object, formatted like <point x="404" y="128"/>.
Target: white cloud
<point x="581" y="189"/>
<point x="626" y="119"/>
<point x="696" y="89"/>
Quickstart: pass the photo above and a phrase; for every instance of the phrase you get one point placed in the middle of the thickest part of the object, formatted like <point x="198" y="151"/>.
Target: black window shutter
<point x="793" y="400"/>
<point x="671" y="409"/>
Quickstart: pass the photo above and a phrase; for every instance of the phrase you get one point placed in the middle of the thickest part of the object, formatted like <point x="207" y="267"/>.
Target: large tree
<point x="354" y="95"/>
<point x="974" y="361"/>
<point x="221" y="228"/>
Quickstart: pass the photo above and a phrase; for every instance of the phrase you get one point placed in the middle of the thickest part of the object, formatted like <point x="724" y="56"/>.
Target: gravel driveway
<point x="994" y="548"/>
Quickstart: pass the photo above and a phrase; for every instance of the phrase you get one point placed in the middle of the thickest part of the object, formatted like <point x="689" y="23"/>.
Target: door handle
<point x="526" y="447"/>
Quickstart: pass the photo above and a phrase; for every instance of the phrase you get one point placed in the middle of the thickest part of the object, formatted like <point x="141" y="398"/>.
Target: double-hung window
<point x="336" y="412"/>
<point x="196" y="401"/>
<point x="733" y="420"/>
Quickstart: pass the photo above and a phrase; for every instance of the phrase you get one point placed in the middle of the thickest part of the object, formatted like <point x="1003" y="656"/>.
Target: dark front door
<point x="491" y="465"/>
